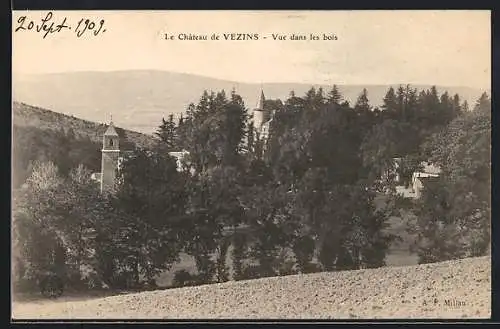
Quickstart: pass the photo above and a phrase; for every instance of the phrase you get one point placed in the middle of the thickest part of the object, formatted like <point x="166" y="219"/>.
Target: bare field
<point x="453" y="289"/>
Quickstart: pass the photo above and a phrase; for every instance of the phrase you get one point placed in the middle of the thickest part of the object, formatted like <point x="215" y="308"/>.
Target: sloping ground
<point x="454" y="289"/>
<point x="24" y="115"/>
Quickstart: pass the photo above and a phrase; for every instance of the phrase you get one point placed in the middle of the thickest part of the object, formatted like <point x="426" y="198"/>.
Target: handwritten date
<point x="47" y="25"/>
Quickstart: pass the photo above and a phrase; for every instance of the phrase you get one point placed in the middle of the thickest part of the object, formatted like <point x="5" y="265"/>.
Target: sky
<point x="373" y="47"/>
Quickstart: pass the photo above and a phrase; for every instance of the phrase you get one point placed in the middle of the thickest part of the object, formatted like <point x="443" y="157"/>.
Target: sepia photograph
<point x="251" y="165"/>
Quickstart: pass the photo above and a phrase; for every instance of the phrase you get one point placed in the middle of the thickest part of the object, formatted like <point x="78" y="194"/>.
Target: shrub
<point x="182" y="278"/>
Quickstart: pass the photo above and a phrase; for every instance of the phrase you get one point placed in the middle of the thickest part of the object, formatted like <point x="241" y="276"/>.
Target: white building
<point x="181" y="158"/>
<point x="419" y="178"/>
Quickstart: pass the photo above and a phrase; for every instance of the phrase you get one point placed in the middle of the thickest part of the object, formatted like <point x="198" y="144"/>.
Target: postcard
<point x="251" y="165"/>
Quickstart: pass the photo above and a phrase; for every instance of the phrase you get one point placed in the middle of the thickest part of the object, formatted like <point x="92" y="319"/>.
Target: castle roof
<point x="111" y="131"/>
<point x="261" y="100"/>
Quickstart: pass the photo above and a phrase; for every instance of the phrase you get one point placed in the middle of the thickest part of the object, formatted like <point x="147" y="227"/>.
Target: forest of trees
<point x="303" y="201"/>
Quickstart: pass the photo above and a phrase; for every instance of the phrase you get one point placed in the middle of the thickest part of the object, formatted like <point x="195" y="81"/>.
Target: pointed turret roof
<point x="111" y="130"/>
<point x="262" y="99"/>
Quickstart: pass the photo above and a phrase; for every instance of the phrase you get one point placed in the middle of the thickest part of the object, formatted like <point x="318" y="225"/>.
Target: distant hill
<point x="24" y="115"/>
<point x="138" y="99"/>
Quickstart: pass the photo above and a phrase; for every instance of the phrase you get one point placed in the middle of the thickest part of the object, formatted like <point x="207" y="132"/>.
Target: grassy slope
<point x="24" y="115"/>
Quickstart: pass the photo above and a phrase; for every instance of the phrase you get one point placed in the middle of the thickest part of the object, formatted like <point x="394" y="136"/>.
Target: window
<point x="110" y="142"/>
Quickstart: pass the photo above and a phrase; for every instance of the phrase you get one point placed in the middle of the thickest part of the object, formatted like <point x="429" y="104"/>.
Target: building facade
<point x="110" y="160"/>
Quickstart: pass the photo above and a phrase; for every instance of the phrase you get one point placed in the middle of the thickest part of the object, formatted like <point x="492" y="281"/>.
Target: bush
<point x="183" y="278"/>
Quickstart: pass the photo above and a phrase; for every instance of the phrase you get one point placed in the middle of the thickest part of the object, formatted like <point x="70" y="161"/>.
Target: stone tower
<point x="110" y="155"/>
<point x="260" y="116"/>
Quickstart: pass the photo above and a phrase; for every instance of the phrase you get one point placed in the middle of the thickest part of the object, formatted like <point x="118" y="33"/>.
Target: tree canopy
<point x="300" y="201"/>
